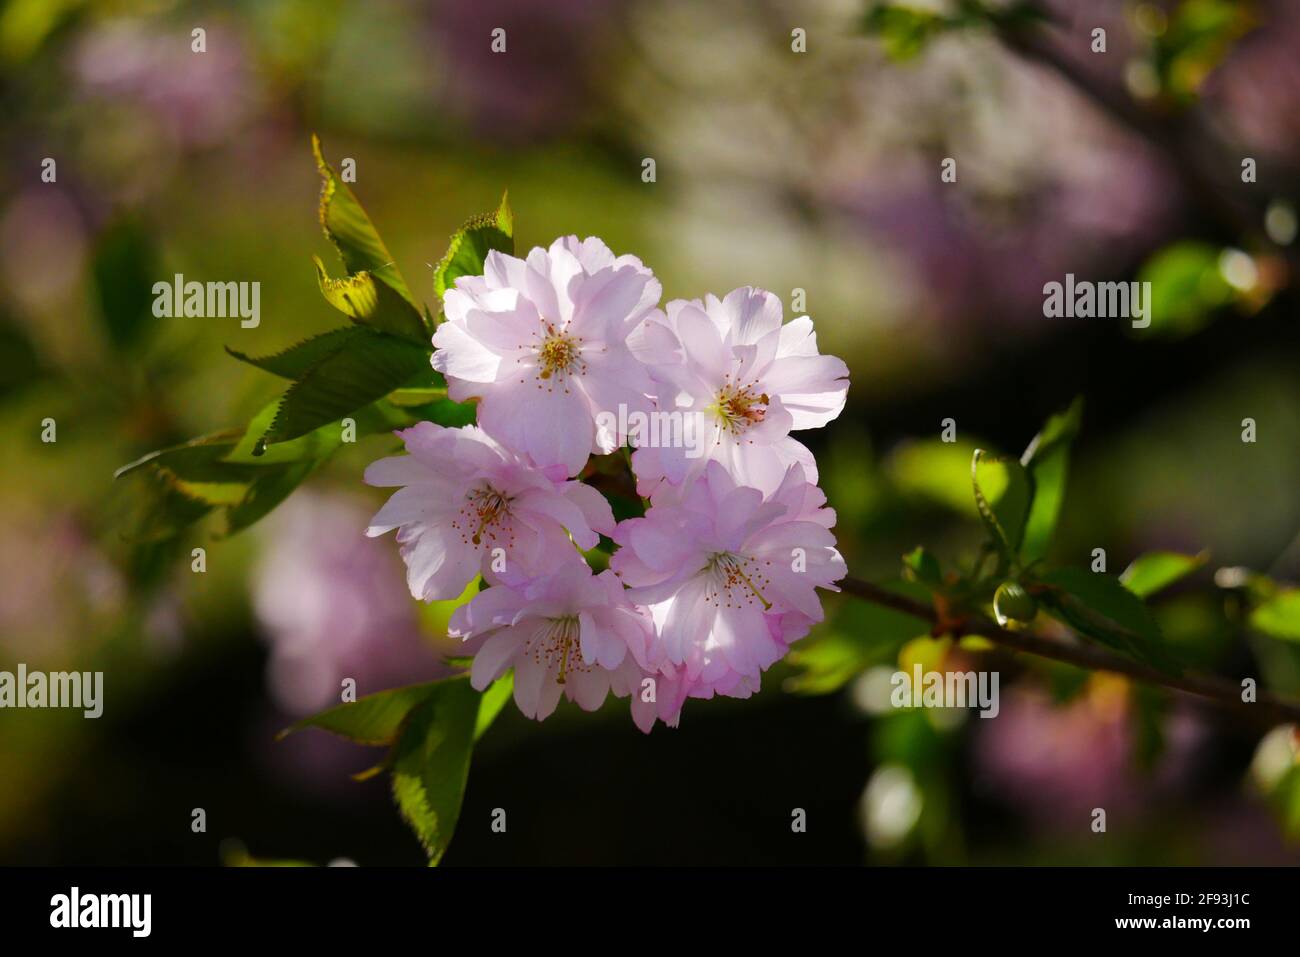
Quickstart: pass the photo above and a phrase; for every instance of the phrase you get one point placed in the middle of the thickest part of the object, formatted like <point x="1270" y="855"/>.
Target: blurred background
<point x="816" y="171"/>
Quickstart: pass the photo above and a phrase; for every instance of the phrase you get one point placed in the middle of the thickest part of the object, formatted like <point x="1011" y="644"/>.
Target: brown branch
<point x="1266" y="708"/>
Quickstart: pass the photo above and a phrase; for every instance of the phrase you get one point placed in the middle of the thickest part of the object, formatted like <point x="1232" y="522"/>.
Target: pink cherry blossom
<point x="747" y="378"/>
<point x="542" y="343"/>
<point x="571" y="634"/>
<point x="468" y="505"/>
<point x="730" y="577"/>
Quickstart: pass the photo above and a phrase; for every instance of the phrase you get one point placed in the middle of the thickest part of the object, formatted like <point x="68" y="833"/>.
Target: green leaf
<point x="295" y="361"/>
<point x="1099" y="607"/>
<point x="1196" y="629"/>
<point x="1059" y="430"/>
<point x="1047" y="462"/>
<point x="1285" y="798"/>
<point x="470" y="245"/>
<point x="198" y="459"/>
<point x="435" y="616"/>
<point x="1002" y="492"/>
<point x="418" y="396"/>
<point x="1187" y="285"/>
<point x="1194" y="41"/>
<point x="1279" y="616"/>
<point x="197" y="470"/>
<point x="200" y="473"/>
<point x="1156" y="570"/>
<point x="493" y="699"/>
<point x="195" y="477"/>
<point x="210" y="493"/>
<point x="936" y="471"/>
<point x="314" y="445"/>
<point x="372" y="365"/>
<point x="447" y="413"/>
<point x="163" y="512"/>
<point x="374" y="719"/>
<point x="430" y="763"/>
<point x="350" y="230"/>
<point x="371" y="303"/>
<point x="425" y="399"/>
<point x="906" y="28"/>
<point x="124" y="268"/>
<point x="265" y="492"/>
<point x="921" y="566"/>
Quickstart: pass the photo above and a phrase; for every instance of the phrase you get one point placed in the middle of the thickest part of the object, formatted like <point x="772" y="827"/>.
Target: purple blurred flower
<point x="196" y="99"/>
<point x="1058" y="762"/>
<point x="333" y="605"/>
<point x="541" y="85"/>
<point x="1255" y="93"/>
<point x="38" y="562"/>
<point x="1045" y="185"/>
<point x="42" y="246"/>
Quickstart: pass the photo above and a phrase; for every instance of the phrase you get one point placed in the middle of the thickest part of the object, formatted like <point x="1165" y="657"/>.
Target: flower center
<point x="557" y="644"/>
<point x="560" y="354"/>
<point x="737" y="572"/>
<point x="484" y="514"/>
<point x="738" y="407"/>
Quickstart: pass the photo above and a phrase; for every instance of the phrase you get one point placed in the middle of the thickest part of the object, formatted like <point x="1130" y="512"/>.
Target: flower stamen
<point x="559" y="354"/>
<point x="738" y="407"/>
<point x="732" y="569"/>
<point x="485" y="510"/>
<point x="558" y="643"/>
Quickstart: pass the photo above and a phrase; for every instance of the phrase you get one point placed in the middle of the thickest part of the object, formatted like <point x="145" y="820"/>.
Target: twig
<point x="1267" y="707"/>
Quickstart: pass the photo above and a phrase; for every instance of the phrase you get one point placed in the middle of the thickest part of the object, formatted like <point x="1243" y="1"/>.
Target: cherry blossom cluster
<point x="706" y="590"/>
